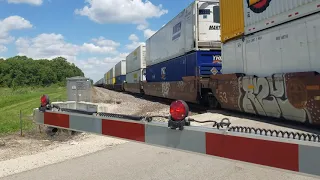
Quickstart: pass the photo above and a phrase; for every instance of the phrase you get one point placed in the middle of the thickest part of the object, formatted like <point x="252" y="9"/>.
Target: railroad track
<point x="196" y="108"/>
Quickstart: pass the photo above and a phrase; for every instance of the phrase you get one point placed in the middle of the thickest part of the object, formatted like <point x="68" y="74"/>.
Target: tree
<point x="24" y="71"/>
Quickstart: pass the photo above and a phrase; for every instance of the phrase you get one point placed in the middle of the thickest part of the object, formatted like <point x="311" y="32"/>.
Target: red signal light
<point x="44" y="100"/>
<point x="179" y="110"/>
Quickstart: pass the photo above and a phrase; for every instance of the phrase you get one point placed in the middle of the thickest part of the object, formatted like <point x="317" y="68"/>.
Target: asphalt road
<point x="143" y="162"/>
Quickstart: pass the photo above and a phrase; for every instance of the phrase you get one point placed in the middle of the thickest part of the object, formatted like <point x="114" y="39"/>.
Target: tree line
<point x="23" y="71"/>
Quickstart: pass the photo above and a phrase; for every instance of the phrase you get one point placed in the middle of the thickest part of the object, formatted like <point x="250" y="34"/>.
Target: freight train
<point x="263" y="60"/>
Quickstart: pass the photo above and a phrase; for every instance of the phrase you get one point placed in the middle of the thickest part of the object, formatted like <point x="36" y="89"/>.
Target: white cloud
<point x="49" y="46"/>
<point x="142" y="27"/>
<point x="92" y="48"/>
<point x="148" y="33"/>
<point x="32" y="2"/>
<point x="52" y="45"/>
<point x="3" y="48"/>
<point x="133" y="37"/>
<point x="121" y="11"/>
<point x="13" y="23"/>
<point x="96" y="67"/>
<point x="119" y="57"/>
<point x="6" y="39"/>
<point x="101" y="41"/>
<point x="9" y="24"/>
<point x="134" y="45"/>
<point x="101" y="45"/>
<point x="134" y="42"/>
<point x="46" y="46"/>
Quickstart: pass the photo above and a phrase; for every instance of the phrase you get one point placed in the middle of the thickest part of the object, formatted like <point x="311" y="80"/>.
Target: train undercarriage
<point x="290" y="96"/>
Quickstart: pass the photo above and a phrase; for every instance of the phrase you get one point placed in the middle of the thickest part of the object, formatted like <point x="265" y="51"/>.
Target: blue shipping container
<point x="120" y="79"/>
<point x="208" y="62"/>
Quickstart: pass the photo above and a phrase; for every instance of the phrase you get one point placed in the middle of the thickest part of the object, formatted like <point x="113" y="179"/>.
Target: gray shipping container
<point x="79" y="89"/>
<point x="120" y="68"/>
<point x="112" y="75"/>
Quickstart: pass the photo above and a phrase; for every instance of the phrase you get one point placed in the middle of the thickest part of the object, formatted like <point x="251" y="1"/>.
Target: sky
<point x="92" y="34"/>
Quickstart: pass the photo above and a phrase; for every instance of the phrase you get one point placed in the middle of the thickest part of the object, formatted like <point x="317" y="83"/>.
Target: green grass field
<point x="24" y="99"/>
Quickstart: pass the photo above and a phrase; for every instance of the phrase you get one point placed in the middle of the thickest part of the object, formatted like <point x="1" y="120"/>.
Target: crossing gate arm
<point x="286" y="154"/>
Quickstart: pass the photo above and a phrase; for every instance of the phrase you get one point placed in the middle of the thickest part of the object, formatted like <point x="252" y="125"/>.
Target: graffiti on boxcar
<point x="266" y="96"/>
<point x="294" y="96"/>
<point x="181" y="86"/>
<point x="165" y="87"/>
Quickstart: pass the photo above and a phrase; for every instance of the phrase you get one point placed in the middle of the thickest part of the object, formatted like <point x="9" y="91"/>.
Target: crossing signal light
<point x="44" y="103"/>
<point x="44" y="100"/>
<point x="179" y="111"/>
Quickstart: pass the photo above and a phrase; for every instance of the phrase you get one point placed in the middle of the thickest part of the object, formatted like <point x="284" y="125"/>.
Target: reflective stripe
<point x="257" y="151"/>
<point x="56" y="119"/>
<point x="126" y="130"/>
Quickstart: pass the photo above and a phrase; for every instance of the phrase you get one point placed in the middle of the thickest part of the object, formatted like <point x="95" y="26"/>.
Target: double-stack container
<point x="188" y="45"/>
<point x="111" y="78"/>
<point x="100" y="82"/>
<point x="120" y="72"/>
<point x="106" y="77"/>
<point x="112" y="75"/>
<point x="135" y="65"/>
<point x="263" y="37"/>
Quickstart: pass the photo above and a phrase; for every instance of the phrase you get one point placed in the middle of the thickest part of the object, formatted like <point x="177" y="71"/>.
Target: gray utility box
<point x="79" y="89"/>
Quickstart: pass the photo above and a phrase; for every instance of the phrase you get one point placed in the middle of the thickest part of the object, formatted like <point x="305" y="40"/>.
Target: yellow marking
<point x="250" y="86"/>
<point x="252" y="2"/>
<point x="314" y="87"/>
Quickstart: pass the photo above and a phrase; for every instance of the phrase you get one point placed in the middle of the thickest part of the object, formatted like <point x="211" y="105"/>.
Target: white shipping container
<point x="196" y="27"/>
<point x="136" y="60"/>
<point x="105" y="78"/>
<point x="120" y="68"/>
<point x="135" y="76"/>
<point x="112" y="73"/>
<point x="101" y="81"/>
<point x="232" y="55"/>
<point x="264" y="14"/>
<point x="291" y="47"/>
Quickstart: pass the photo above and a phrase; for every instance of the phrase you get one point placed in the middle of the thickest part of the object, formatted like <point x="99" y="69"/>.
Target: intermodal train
<point x="254" y="56"/>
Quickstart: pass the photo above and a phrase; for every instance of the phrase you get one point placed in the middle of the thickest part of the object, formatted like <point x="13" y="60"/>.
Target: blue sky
<point x="93" y="34"/>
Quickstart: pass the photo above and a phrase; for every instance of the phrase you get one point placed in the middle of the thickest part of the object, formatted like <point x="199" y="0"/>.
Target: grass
<point x="24" y="99"/>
